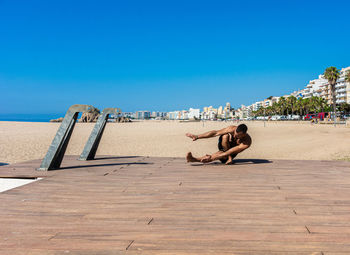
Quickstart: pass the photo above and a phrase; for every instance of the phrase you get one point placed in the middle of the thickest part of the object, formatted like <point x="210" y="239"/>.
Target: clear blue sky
<point x="163" y="55"/>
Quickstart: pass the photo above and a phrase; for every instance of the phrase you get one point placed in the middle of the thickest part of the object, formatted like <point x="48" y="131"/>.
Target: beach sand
<point x="21" y="141"/>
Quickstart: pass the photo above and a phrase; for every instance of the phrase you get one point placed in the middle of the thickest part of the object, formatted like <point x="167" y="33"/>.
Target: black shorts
<point x="232" y="144"/>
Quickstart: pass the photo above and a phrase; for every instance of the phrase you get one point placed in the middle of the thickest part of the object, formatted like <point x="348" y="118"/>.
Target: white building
<point x="209" y="115"/>
<point x="342" y="89"/>
<point x="298" y="93"/>
<point x="257" y="105"/>
<point x="243" y="112"/>
<point x="194" y="113"/>
<point x="183" y="115"/>
<point x="127" y="115"/>
<point x="142" y="115"/>
<point x="314" y="87"/>
<point x="173" y="115"/>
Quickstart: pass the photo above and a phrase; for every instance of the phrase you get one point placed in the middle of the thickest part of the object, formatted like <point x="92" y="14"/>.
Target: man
<point x="232" y="140"/>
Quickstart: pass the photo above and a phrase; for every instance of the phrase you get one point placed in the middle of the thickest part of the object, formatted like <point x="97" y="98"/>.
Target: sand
<point x="21" y="141"/>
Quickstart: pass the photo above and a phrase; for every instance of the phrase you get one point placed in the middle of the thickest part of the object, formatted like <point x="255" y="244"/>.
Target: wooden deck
<point x="140" y="205"/>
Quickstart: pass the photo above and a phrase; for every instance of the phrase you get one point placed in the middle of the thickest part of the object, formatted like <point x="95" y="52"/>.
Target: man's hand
<point x="207" y="159"/>
<point x="193" y="137"/>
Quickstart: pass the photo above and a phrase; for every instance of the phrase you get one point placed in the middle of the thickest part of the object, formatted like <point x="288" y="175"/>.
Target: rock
<point x="90" y="116"/>
<point x="57" y="120"/>
<point x="122" y="120"/>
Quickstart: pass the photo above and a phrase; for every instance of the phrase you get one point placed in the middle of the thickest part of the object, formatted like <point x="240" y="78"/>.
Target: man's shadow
<point x="250" y="161"/>
<point x="238" y="162"/>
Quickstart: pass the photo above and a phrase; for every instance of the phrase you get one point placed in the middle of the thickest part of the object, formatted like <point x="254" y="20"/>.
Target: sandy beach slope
<point x="21" y="141"/>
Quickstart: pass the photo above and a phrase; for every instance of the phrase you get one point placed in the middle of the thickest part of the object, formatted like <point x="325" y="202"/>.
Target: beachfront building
<point x="204" y="115"/>
<point x="267" y="103"/>
<point x="243" y="112"/>
<point x="347" y="89"/>
<point x="210" y="109"/>
<point x="315" y="87"/>
<point x="342" y="89"/>
<point x="130" y="115"/>
<point x="262" y="104"/>
<point x="297" y="93"/>
<point x="158" y="115"/>
<point x="257" y="105"/>
<point x="227" y="112"/>
<point x="183" y="115"/>
<point x="173" y="115"/>
<point x="194" y="113"/>
<point x="227" y="115"/>
<point x="227" y="107"/>
<point x="142" y="115"/>
<point x="210" y="115"/>
<point x="275" y="100"/>
<point x="220" y="112"/>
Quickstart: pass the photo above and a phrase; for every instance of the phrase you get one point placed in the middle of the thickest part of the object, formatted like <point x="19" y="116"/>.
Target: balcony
<point x="340" y="85"/>
<point x="340" y="90"/>
<point x="340" y="96"/>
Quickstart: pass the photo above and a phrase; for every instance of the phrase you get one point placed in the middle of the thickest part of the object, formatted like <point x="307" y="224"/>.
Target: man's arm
<point x="233" y="150"/>
<point x="212" y="133"/>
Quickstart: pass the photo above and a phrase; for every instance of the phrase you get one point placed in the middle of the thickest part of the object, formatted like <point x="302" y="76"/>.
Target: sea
<point x="30" y="117"/>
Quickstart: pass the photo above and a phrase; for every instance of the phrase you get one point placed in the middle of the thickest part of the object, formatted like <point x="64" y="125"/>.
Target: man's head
<point x="241" y="131"/>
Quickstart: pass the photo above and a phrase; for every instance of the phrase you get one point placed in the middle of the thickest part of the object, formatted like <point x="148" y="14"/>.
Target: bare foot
<point x="229" y="160"/>
<point x="193" y="137"/>
<point x="206" y="159"/>
<point x="190" y="158"/>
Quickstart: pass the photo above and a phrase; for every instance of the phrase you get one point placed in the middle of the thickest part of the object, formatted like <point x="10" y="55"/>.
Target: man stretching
<point x="232" y="140"/>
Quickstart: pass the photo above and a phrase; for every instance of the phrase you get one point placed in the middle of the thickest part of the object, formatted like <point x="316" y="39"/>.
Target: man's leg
<point x="224" y="145"/>
<point x="190" y="158"/>
<point x="225" y="142"/>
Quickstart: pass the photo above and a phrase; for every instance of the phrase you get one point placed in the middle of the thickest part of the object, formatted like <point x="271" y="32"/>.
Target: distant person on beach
<point x="232" y="140"/>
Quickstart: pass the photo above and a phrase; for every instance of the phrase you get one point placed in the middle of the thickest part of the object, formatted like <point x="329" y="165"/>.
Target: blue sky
<point x="163" y="55"/>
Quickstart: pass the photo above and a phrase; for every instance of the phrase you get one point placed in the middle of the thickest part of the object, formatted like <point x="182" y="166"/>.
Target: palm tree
<point x="314" y="106"/>
<point x="320" y="104"/>
<point x="332" y="75"/>
<point x="269" y="110"/>
<point x="306" y="105"/>
<point x="282" y="104"/>
<point x="292" y="101"/>
<point x="275" y="108"/>
<point x="299" y="106"/>
<point x="347" y="76"/>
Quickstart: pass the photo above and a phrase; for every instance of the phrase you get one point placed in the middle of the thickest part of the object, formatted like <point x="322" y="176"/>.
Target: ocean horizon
<point x="30" y="117"/>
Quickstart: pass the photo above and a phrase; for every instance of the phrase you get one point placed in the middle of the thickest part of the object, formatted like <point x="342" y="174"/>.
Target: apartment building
<point x="342" y="89"/>
<point x="243" y="112"/>
<point x="142" y="115"/>
<point x="194" y="113"/>
<point x="315" y="87"/>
